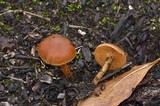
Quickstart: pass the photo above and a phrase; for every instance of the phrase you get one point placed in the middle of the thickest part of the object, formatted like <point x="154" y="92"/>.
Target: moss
<point x="143" y="10"/>
<point x="61" y="13"/>
<point x="115" y="7"/>
<point x="17" y="16"/>
<point x="41" y="3"/>
<point x="9" y="7"/>
<point x="34" y="1"/>
<point x="89" y="2"/>
<point x="147" y="1"/>
<point x="2" y="2"/>
<point x="7" y="81"/>
<point x="35" y="65"/>
<point x="104" y="20"/>
<point x="1" y="24"/>
<point x="56" y="28"/>
<point x="153" y="28"/>
<point x="72" y="7"/>
<point x="105" y="5"/>
<point x="156" y="1"/>
<point x="24" y="6"/>
<point x="79" y="56"/>
<point x="153" y="20"/>
<point x="45" y="14"/>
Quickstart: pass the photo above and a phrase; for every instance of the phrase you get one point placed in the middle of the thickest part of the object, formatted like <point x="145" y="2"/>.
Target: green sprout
<point x="41" y="3"/>
<point x="56" y="28"/>
<point x="89" y="2"/>
<point x="45" y="14"/>
<point x="155" y="1"/>
<point x="9" y="7"/>
<point x="105" y="5"/>
<point x="73" y="7"/>
<point x="153" y="28"/>
<point x="147" y="1"/>
<point x="17" y="16"/>
<point x="79" y="56"/>
<point x="2" y="2"/>
<point x="34" y="1"/>
<point x="115" y="7"/>
<point x="153" y="20"/>
<point x="1" y="24"/>
<point x="104" y="20"/>
<point x="7" y="81"/>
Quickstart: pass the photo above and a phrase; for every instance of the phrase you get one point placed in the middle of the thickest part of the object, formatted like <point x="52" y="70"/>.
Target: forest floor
<point x="27" y="81"/>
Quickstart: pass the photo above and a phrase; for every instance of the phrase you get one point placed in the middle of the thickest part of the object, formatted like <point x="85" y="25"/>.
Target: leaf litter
<point x="5" y="44"/>
<point x="118" y="89"/>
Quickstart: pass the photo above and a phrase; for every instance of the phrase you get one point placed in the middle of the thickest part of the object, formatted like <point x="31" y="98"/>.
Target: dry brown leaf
<point x="118" y="89"/>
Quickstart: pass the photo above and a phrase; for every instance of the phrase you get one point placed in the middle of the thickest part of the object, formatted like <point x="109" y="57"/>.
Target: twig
<point x="10" y="77"/>
<point x="78" y="49"/>
<point x="64" y="100"/>
<point x="119" y="7"/>
<point x="26" y="12"/>
<point x="76" y="26"/>
<point x="30" y="33"/>
<point x="13" y="67"/>
<point x="128" y="34"/>
<point x="26" y="57"/>
<point x="17" y="79"/>
<point x="114" y="72"/>
<point x="129" y="42"/>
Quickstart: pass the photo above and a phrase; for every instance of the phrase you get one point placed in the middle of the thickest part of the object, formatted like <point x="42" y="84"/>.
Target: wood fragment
<point x="121" y="40"/>
<point x="26" y="12"/>
<point x="13" y="78"/>
<point x="115" y="72"/>
<point x="76" y="26"/>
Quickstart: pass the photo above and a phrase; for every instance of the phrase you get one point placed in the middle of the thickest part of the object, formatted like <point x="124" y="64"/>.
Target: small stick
<point x="30" y="33"/>
<point x="114" y="72"/>
<point x="128" y="34"/>
<point x="129" y="42"/>
<point x="26" y="12"/>
<point x="13" y="67"/>
<point x="26" y="57"/>
<point x="78" y="49"/>
<point x="10" y="77"/>
<point x="119" y="7"/>
<point x="76" y="26"/>
<point x="103" y="70"/>
<point x="64" y="102"/>
<point x="17" y="79"/>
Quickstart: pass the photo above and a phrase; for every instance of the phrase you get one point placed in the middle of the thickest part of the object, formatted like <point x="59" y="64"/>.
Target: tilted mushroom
<point x="58" y="51"/>
<point x="109" y="56"/>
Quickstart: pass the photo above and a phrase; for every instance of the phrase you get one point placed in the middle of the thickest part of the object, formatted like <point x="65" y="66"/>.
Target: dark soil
<point x="25" y="80"/>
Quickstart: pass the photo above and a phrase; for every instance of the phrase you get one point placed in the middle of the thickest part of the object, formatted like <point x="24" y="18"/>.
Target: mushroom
<point x="58" y="51"/>
<point x="109" y="56"/>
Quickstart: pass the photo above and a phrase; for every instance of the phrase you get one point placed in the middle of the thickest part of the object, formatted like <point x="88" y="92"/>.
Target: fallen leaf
<point x="117" y="90"/>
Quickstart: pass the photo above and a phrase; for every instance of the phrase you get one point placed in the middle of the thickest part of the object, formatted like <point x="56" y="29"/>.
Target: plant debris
<point x="119" y="88"/>
<point x="133" y="26"/>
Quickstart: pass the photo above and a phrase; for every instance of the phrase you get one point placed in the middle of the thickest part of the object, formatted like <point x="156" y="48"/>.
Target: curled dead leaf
<point x="118" y="89"/>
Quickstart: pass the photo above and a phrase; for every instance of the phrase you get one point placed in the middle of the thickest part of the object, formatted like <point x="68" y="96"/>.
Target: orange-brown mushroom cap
<point x="56" y="50"/>
<point x="103" y="51"/>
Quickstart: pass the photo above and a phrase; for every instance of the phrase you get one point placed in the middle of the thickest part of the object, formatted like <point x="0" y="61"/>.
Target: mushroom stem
<point x="65" y="69"/>
<point x="103" y="70"/>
